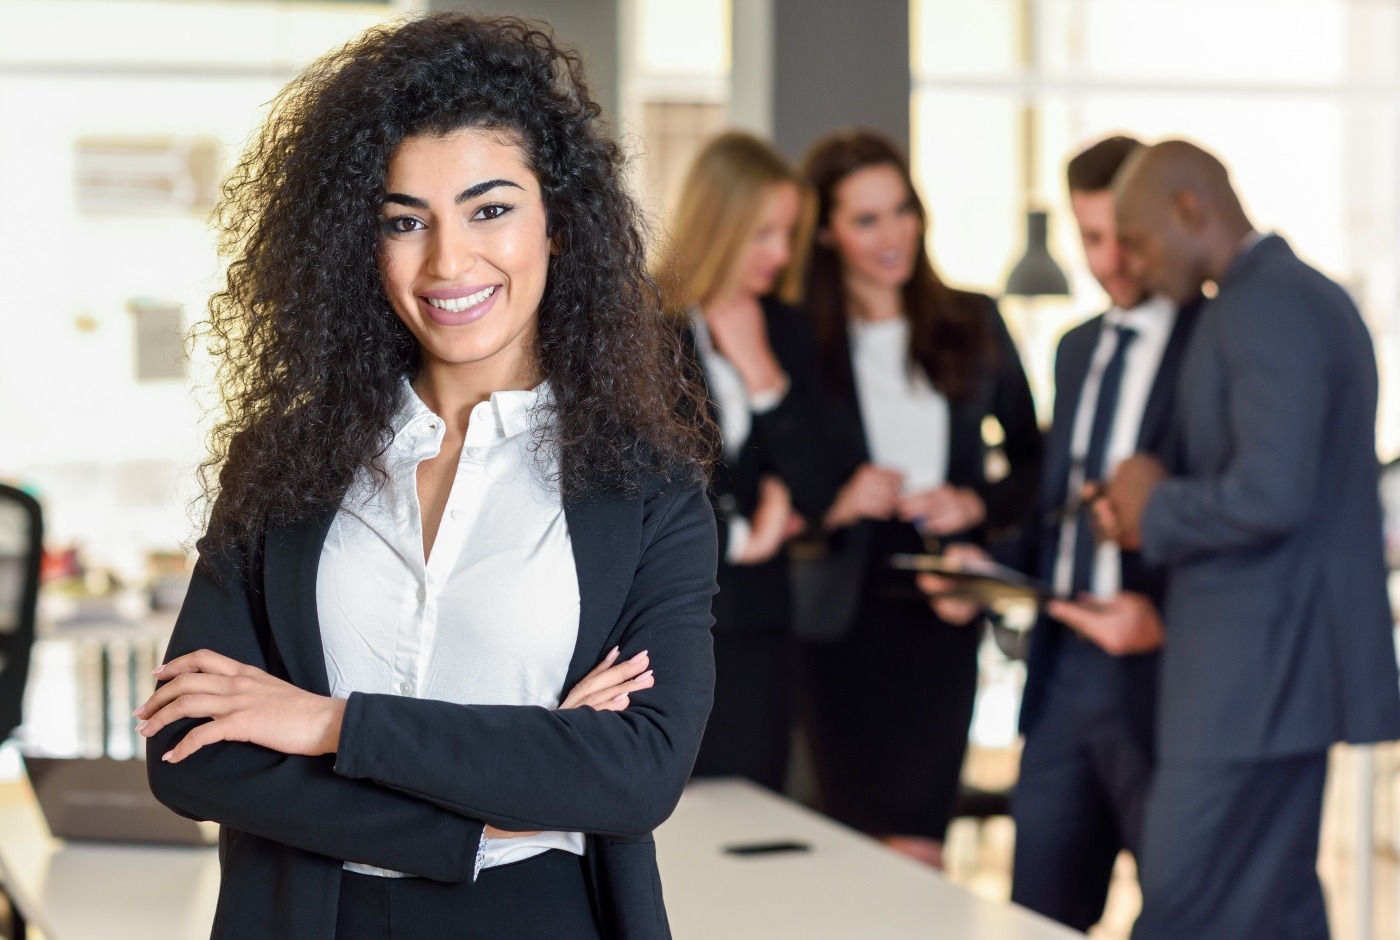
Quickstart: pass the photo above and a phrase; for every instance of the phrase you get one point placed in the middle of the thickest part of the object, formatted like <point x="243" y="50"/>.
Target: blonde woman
<point x="731" y="246"/>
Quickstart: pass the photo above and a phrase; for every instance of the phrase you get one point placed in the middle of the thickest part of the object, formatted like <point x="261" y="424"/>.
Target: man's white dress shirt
<point x="1152" y="321"/>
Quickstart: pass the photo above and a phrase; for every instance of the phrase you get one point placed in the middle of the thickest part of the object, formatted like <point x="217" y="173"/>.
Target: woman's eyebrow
<point x="471" y="192"/>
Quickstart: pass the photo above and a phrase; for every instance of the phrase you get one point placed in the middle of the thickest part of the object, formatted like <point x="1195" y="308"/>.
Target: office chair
<point x="21" y="545"/>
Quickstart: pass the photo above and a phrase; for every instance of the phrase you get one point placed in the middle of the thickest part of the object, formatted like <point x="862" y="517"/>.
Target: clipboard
<point x="987" y="582"/>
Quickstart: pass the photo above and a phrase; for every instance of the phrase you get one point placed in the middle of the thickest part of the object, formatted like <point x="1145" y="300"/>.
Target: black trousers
<point x="541" y="898"/>
<point x="1230" y="851"/>
<point x="1082" y="789"/>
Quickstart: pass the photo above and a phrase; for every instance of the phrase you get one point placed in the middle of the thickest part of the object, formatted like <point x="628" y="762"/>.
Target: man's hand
<point x="1127" y="495"/>
<point x="1124" y="624"/>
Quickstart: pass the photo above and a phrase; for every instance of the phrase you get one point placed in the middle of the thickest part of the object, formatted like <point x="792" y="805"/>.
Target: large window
<point x="1301" y="98"/>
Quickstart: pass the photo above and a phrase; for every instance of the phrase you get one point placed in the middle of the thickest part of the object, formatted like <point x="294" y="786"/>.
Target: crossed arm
<point x="413" y="782"/>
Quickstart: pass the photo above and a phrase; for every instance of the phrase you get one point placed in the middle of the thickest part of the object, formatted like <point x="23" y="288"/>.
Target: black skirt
<point x="886" y="711"/>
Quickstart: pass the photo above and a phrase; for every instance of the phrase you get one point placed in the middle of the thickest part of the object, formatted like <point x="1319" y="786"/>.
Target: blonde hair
<point x="719" y="207"/>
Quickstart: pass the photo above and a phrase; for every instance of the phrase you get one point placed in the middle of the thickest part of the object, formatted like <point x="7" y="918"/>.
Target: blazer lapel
<point x="1155" y="431"/>
<point x="1069" y="389"/>
<point x="606" y="535"/>
<point x="290" y="561"/>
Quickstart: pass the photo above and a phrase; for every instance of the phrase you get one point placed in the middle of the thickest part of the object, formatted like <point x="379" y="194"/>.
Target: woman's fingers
<point x="185" y="683"/>
<point x="617" y="699"/>
<point x="201" y="661"/>
<point x="606" y="676"/>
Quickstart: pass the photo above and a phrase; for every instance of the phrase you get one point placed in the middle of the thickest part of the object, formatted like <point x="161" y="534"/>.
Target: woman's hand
<point x="772" y="523"/>
<point x="608" y="687"/>
<point x="952" y="607"/>
<point x="943" y="511"/>
<point x="245" y="703"/>
<point x="871" y="493"/>
<point x="740" y="335"/>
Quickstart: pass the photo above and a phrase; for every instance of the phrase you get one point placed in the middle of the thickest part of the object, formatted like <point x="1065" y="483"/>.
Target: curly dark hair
<point x="948" y="338"/>
<point x="313" y="356"/>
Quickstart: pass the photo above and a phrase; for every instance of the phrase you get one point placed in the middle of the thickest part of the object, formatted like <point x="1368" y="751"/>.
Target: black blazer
<point x="1003" y="393"/>
<point x="1042" y="540"/>
<point x="415" y="780"/>
<point x="1278" y="626"/>
<point x="789" y="442"/>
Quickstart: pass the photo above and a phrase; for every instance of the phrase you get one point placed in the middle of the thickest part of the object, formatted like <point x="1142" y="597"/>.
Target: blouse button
<point x="422" y="594"/>
<point x="406" y="687"/>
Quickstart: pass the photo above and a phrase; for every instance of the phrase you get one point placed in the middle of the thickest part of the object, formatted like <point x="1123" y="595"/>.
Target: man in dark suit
<point x="1277" y="623"/>
<point x="1089" y="703"/>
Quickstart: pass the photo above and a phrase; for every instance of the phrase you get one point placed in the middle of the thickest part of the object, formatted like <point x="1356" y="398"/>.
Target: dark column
<point x="591" y="25"/>
<point x="803" y="68"/>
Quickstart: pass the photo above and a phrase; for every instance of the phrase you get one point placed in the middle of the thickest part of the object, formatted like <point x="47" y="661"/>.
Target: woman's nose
<point x="451" y="254"/>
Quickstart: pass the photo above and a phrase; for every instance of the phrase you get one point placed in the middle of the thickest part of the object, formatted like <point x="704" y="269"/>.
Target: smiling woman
<point x="459" y="515"/>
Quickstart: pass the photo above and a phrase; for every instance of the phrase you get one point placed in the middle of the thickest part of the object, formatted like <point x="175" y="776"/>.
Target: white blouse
<point x="906" y="419"/>
<point x="491" y="617"/>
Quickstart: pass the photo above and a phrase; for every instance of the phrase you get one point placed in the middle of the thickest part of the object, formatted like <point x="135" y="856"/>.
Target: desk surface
<point x="845" y="886"/>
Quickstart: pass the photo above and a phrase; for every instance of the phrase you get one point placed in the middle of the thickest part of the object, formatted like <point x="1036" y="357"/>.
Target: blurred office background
<point x="119" y="117"/>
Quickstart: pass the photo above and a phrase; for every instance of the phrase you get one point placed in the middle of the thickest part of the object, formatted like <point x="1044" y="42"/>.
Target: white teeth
<point x="458" y="304"/>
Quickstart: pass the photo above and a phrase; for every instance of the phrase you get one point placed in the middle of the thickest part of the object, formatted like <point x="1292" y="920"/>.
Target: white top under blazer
<point x="491" y="617"/>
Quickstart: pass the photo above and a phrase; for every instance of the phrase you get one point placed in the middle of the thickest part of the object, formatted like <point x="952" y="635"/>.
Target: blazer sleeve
<point x="617" y="774"/>
<point x="1010" y="500"/>
<point x="295" y="800"/>
<point x="1271" y="348"/>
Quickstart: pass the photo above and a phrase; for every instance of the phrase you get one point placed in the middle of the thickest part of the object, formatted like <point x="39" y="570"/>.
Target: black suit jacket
<point x="1278" y="626"/>
<point x="1041" y="543"/>
<point x="1001" y="392"/>
<point x="788" y="442"/>
<point x="415" y="780"/>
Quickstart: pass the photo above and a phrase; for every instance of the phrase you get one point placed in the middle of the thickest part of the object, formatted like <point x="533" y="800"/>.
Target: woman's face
<point x="465" y="252"/>
<point x="769" y="248"/>
<point x="874" y="227"/>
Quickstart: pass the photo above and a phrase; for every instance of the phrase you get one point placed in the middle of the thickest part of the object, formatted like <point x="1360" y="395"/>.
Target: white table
<point x="846" y="886"/>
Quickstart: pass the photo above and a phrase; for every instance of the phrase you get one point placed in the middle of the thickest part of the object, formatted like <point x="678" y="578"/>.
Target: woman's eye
<point x="402" y="224"/>
<point x="493" y="211"/>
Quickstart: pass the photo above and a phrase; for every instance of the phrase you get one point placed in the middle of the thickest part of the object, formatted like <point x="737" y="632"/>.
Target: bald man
<point x="1278" y="630"/>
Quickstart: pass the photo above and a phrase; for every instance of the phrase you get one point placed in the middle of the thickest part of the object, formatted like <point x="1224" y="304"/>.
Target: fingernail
<point x="620" y="698"/>
<point x="139" y="710"/>
<point x="644" y="675"/>
<point x="141" y="726"/>
<point x="158" y="670"/>
<point x="612" y="654"/>
<point x="167" y="755"/>
<point x="639" y="657"/>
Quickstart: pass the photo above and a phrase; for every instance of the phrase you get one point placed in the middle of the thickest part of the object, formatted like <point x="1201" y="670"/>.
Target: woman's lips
<point x="458" y="306"/>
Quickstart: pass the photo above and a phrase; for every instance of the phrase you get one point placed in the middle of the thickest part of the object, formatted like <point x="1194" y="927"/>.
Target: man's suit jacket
<point x="415" y="780"/>
<point x="1278" y="626"/>
<point x="832" y="585"/>
<point x="788" y="441"/>
<point x="1042" y="542"/>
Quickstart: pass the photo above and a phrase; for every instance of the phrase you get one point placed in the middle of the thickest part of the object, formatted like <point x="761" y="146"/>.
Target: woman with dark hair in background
<point x="912" y="369"/>
<point x="730" y="248"/>
<point x="451" y="479"/>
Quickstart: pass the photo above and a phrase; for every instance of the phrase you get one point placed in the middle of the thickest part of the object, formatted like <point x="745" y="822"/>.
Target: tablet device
<point x="985" y="581"/>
